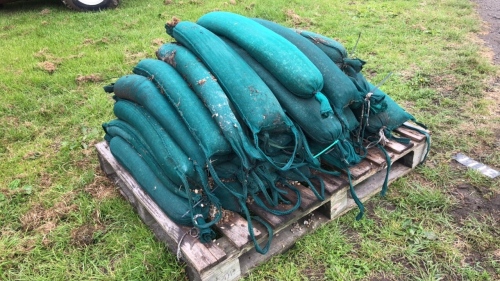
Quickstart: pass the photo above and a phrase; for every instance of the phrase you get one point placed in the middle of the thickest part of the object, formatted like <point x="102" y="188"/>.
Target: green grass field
<point x="61" y="219"/>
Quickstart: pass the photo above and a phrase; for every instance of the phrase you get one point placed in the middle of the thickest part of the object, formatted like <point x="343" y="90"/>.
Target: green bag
<point x="332" y="48"/>
<point x="215" y="99"/>
<point x="142" y="91"/>
<point x="192" y="110"/>
<point x="171" y="158"/>
<point x="119" y="128"/>
<point x="393" y="117"/>
<point x="276" y="54"/>
<point x="209" y="91"/>
<point x="338" y="88"/>
<point x="176" y="208"/>
<point x="350" y="66"/>
<point x="305" y="112"/>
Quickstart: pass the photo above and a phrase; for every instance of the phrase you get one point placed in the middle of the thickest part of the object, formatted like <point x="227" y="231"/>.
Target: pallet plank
<point x="398" y="147"/>
<point x="376" y="156"/>
<point x="236" y="229"/>
<point x="282" y="242"/>
<point x="411" y="134"/>
<point x="307" y="197"/>
<point x="272" y="219"/>
<point x="360" y="169"/>
<point x="332" y="183"/>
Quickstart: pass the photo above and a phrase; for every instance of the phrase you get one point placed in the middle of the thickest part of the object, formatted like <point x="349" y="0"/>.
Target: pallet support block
<point x="233" y="255"/>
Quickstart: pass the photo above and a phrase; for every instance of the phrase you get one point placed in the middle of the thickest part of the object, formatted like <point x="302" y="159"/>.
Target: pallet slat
<point x="407" y="133"/>
<point x="376" y="156"/>
<point x="363" y="168"/>
<point x="397" y="147"/>
<point x="236" y="229"/>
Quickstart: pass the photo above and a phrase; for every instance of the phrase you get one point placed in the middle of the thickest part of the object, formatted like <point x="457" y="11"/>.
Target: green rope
<point x="325" y="107"/>
<point x="249" y="218"/>
<point x="427" y="138"/>
<point x="261" y="204"/>
<point x="386" y="180"/>
<point x="319" y="195"/>
<point x="355" y="197"/>
<point x="326" y="149"/>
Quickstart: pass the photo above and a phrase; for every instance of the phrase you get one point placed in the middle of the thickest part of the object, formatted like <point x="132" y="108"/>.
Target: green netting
<point x="393" y="117"/>
<point x="279" y="56"/>
<point x="337" y="86"/>
<point x="305" y="112"/>
<point x="142" y="91"/>
<point x="215" y="99"/>
<point x="332" y="48"/>
<point x="176" y="208"/>
<point x="126" y="132"/>
<point x="352" y="121"/>
<point x="171" y="158"/>
<point x="350" y="66"/>
<point x="252" y="99"/>
<point x="209" y="91"/>
<point x="192" y="110"/>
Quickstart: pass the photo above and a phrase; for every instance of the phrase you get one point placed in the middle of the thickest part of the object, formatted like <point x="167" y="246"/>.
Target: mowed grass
<point x="61" y="219"/>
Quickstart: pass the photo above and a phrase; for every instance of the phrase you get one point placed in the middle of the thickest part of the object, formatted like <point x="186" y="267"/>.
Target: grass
<point x="61" y="219"/>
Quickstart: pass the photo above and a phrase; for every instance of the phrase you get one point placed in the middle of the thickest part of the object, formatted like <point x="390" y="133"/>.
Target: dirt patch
<point x="44" y="220"/>
<point x="101" y="188"/>
<point x="157" y="42"/>
<point x="85" y="235"/>
<point x="472" y="202"/>
<point x="316" y="272"/>
<point x="296" y="19"/>
<point x="80" y="79"/>
<point x="133" y="58"/>
<point x="489" y="10"/>
<point x="47" y="66"/>
<point x="381" y="277"/>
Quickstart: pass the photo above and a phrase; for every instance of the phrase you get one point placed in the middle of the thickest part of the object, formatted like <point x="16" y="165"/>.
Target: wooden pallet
<point x="232" y="255"/>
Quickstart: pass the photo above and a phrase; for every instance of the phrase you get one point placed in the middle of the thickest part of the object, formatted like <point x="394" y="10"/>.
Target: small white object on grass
<point x="473" y="164"/>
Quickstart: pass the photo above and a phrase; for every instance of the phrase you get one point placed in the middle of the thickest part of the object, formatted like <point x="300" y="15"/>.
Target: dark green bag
<point x="142" y="91"/>
<point x="393" y="117"/>
<point x="350" y="66"/>
<point x="119" y="128"/>
<point x="332" y="48"/>
<point x="192" y="110"/>
<point x="176" y="208"/>
<point x="272" y="51"/>
<point x="305" y="112"/>
<point x="209" y="91"/>
<point x="171" y="158"/>
<point x="337" y="86"/>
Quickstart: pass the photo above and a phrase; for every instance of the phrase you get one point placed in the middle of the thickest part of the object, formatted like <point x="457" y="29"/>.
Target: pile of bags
<point x="238" y="108"/>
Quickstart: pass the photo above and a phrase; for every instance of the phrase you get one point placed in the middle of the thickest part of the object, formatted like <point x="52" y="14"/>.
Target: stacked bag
<point x="238" y="108"/>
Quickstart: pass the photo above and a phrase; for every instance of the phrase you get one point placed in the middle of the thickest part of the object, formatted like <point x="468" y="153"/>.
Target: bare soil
<point x="474" y="202"/>
<point x="490" y="12"/>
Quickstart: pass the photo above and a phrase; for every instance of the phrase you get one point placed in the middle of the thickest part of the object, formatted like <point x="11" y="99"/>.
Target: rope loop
<point x="193" y="232"/>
